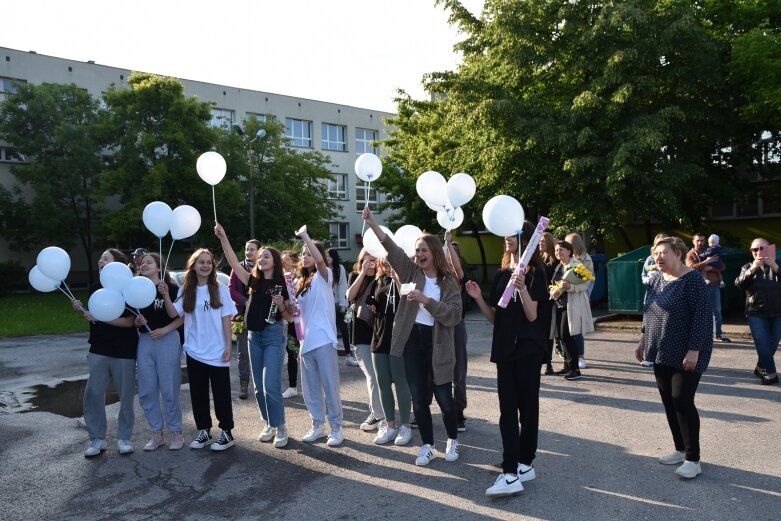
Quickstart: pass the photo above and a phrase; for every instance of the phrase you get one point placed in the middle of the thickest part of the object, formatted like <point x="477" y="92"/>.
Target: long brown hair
<point x="445" y="273"/>
<point x="357" y="269"/>
<point x="549" y="255"/>
<point x="190" y="282"/>
<point x="306" y="274"/>
<point x="536" y="260"/>
<point x="159" y="264"/>
<point x="277" y="275"/>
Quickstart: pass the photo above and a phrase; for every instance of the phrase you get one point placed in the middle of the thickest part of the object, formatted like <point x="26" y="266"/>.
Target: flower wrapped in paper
<point x="556" y="290"/>
<point x="578" y="274"/>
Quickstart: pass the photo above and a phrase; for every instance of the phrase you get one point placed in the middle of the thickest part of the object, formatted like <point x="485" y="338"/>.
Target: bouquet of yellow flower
<point x="556" y="290"/>
<point x="579" y="274"/>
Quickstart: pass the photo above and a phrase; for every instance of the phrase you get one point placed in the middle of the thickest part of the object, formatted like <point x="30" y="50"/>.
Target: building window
<point x="12" y="155"/>
<point x="260" y="117"/>
<point x="333" y="137"/>
<point x="337" y="187"/>
<point x="360" y="196"/>
<point x="363" y="141"/>
<point x="7" y="85"/>
<point x="339" y="233"/>
<point x="299" y="132"/>
<point x="221" y="118"/>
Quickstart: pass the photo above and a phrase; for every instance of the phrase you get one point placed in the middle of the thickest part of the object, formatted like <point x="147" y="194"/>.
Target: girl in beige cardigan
<point x="423" y="334"/>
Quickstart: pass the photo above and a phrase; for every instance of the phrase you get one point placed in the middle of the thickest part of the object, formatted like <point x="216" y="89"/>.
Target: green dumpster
<point x="625" y="289"/>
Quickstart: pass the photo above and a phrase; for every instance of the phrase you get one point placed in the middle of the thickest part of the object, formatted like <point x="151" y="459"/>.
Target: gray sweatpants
<point x="102" y="369"/>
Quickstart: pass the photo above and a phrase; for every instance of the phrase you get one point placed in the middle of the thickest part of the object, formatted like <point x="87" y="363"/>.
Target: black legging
<point x="567" y="341"/>
<point x="677" y="388"/>
<point x="344" y="330"/>
<point x="292" y="367"/>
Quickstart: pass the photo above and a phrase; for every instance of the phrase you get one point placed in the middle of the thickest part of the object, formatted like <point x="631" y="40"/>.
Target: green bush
<point x="13" y="277"/>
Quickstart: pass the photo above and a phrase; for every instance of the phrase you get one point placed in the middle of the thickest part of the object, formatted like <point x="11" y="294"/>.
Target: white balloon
<point x="503" y="215"/>
<point x="139" y="292"/>
<point x="211" y="167"/>
<point x="54" y="262"/>
<point x="185" y="222"/>
<point x="157" y="218"/>
<point x="435" y="207"/>
<point x="461" y="189"/>
<point x="406" y="236"/>
<point x="106" y="304"/>
<point x="373" y="244"/>
<point x="115" y="275"/>
<point x="432" y="188"/>
<point x="368" y="167"/>
<point x="41" y="282"/>
<point x="450" y="220"/>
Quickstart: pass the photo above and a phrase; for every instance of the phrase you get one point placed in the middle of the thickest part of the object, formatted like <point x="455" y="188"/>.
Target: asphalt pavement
<point x="599" y="442"/>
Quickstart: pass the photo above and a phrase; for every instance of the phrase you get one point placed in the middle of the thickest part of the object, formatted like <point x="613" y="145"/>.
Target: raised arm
<point x="452" y="256"/>
<point x="234" y="262"/>
<point x="322" y="267"/>
<point x="368" y="216"/>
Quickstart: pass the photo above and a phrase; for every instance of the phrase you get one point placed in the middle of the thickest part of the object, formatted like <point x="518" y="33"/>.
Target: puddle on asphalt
<point x="66" y="398"/>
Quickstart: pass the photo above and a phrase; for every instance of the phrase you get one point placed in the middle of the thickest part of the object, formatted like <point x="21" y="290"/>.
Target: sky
<point x="351" y="52"/>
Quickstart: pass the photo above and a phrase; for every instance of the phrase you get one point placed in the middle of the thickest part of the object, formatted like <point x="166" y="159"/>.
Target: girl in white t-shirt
<point x="318" y="355"/>
<point x="207" y="309"/>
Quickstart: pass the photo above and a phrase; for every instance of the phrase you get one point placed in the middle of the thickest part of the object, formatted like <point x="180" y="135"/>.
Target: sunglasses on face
<point x="754" y="250"/>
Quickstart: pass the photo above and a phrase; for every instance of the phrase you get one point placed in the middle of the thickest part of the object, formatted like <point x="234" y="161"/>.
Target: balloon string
<point x="67" y="294"/>
<point x="214" y="202"/>
<point x="160" y="240"/>
<point x="67" y="290"/>
<point x="137" y="312"/>
<point x="165" y="266"/>
<point x="368" y="187"/>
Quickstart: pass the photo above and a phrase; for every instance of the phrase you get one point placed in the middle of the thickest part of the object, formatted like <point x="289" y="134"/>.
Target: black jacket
<point x="763" y="291"/>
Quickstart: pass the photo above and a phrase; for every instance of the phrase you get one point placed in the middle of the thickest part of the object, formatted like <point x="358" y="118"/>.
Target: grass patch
<point x="40" y="314"/>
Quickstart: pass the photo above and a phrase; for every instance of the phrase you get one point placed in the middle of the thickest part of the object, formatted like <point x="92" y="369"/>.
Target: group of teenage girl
<point x="407" y="343"/>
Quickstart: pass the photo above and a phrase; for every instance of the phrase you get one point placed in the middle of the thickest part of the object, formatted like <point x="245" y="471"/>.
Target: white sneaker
<point x="124" y="446"/>
<point x="336" y="437"/>
<point x="689" y="469"/>
<point x="647" y="363"/>
<point x="280" y="439"/>
<point x="315" y="433"/>
<point x="451" y="452"/>
<point x="267" y="434"/>
<point x="290" y="392"/>
<point x="404" y="437"/>
<point x="95" y="447"/>
<point x="386" y="435"/>
<point x="426" y="455"/>
<point x="351" y="361"/>
<point x="673" y="458"/>
<point x="505" y="485"/>
<point x="526" y="472"/>
<point x="582" y="363"/>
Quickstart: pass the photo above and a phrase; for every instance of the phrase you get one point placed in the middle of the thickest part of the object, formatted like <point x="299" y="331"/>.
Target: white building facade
<point x="338" y="131"/>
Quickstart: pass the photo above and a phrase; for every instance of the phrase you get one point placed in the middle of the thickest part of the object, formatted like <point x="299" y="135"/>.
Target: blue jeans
<point x="420" y="377"/>
<point x="266" y="357"/>
<point x="715" y="301"/>
<point x="766" y="332"/>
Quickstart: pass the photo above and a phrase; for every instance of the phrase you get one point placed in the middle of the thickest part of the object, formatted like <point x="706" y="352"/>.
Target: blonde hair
<point x="578" y="246"/>
<point x="674" y="243"/>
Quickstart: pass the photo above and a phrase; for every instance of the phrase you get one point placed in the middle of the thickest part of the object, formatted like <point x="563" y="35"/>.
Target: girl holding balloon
<point x="207" y="309"/>
<point x="111" y="357"/>
<point x="160" y="358"/>
<point x="423" y="333"/>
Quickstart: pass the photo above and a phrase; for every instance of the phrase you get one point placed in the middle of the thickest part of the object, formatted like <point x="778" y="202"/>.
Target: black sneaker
<point x="758" y="371"/>
<point x="768" y="379"/>
<point x="461" y="423"/>
<point x="201" y="440"/>
<point x="573" y="375"/>
<point x="549" y="370"/>
<point x="225" y="441"/>
<point x="562" y="372"/>
<point x="413" y="423"/>
<point x="371" y="423"/>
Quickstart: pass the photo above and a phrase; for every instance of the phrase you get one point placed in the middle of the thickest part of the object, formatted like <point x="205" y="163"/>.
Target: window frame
<point x="302" y="141"/>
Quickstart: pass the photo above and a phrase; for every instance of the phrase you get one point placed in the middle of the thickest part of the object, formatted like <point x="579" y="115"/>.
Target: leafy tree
<point x="290" y="186"/>
<point x="588" y="112"/>
<point x="54" y="127"/>
<point x="156" y="134"/>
